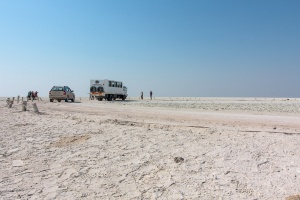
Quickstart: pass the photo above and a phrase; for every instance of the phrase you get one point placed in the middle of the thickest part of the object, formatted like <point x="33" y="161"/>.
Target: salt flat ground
<point x="167" y="148"/>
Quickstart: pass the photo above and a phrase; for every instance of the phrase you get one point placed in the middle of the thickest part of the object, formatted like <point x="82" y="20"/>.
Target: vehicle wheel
<point x="100" y="99"/>
<point x="51" y="100"/>
<point x="73" y="99"/>
<point x="123" y="98"/>
<point x="66" y="100"/>
<point x="109" y="97"/>
<point x="59" y="100"/>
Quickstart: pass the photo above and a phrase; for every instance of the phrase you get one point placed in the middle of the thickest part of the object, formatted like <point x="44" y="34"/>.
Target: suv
<point x="61" y="93"/>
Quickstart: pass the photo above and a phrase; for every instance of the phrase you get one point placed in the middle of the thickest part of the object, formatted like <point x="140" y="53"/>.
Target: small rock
<point x="178" y="159"/>
<point x="18" y="180"/>
<point x="46" y="177"/>
<point x="12" y="151"/>
<point x="30" y="139"/>
<point x="18" y="163"/>
<point x="31" y="192"/>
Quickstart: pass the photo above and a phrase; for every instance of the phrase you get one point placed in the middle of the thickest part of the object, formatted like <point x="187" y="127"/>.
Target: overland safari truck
<point x="108" y="90"/>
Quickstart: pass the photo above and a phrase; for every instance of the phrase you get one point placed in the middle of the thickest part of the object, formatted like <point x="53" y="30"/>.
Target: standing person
<point x="142" y="95"/>
<point x="28" y="95"/>
<point x="151" y="94"/>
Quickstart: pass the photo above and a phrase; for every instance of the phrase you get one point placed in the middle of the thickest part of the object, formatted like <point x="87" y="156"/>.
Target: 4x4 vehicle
<point x="61" y="93"/>
<point x="107" y="89"/>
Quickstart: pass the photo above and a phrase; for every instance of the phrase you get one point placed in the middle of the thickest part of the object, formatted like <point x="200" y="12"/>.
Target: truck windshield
<point x="100" y="89"/>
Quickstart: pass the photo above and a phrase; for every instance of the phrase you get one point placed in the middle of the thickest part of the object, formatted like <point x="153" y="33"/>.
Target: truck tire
<point x="123" y="98"/>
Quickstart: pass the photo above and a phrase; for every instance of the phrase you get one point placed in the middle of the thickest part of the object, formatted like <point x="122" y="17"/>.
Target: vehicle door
<point x="66" y="89"/>
<point x="71" y="94"/>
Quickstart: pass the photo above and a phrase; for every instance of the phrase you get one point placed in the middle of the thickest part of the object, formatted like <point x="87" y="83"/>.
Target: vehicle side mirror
<point x="72" y="90"/>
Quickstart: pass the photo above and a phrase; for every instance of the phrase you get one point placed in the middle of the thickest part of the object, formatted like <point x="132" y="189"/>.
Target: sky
<point x="176" y="48"/>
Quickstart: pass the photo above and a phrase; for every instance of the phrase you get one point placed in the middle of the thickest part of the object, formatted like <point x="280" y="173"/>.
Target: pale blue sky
<point x="234" y="48"/>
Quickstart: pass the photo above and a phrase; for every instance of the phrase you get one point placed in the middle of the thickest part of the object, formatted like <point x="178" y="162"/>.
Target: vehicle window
<point x="67" y="89"/>
<point x="55" y="88"/>
<point x="109" y="84"/>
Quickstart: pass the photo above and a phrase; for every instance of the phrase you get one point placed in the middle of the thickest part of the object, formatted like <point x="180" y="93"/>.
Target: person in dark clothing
<point x="29" y="95"/>
<point x="142" y="95"/>
<point x="151" y="94"/>
<point x="36" y="95"/>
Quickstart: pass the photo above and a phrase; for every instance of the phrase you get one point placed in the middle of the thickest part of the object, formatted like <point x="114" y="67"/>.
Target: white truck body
<point x="107" y="89"/>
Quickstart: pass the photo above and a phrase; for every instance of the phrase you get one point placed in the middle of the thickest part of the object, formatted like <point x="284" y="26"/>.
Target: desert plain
<point x="165" y="148"/>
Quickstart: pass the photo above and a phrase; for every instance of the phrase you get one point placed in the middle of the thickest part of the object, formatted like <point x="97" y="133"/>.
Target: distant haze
<point x="174" y="48"/>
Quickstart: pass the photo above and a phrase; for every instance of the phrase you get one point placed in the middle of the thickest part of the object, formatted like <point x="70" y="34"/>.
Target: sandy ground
<point x="167" y="148"/>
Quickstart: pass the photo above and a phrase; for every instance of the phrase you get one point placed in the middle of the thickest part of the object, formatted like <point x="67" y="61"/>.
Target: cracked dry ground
<point x="104" y="151"/>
